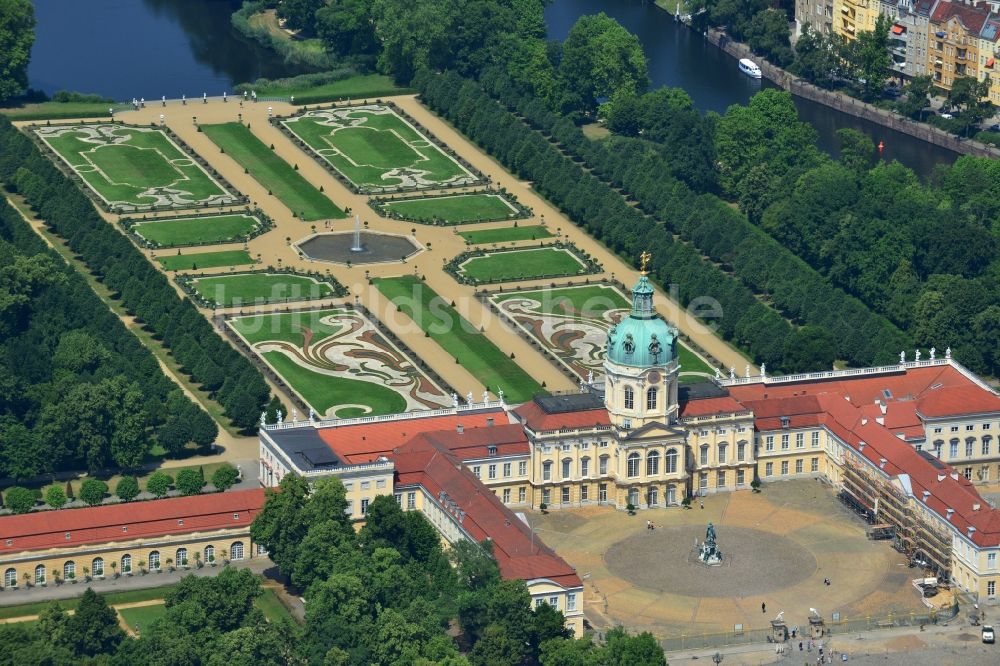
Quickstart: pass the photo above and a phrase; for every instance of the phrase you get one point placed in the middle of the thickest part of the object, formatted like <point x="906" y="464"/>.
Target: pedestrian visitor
<point x="763" y="607"/>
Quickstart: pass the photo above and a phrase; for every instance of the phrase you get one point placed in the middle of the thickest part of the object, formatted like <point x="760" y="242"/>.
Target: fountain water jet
<point x="357" y="246"/>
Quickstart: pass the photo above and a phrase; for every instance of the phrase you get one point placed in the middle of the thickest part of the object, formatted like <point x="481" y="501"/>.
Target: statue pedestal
<point x="709" y="555"/>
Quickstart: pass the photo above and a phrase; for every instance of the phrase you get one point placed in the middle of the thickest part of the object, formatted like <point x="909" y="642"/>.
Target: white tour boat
<point x="750" y="68"/>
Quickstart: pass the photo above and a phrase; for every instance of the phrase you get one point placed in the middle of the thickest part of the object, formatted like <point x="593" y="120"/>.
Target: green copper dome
<point x="643" y="339"/>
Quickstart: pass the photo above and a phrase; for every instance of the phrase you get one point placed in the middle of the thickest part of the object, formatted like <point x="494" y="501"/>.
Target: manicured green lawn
<point x="522" y="265"/>
<point x="226" y="290"/>
<point x="690" y="362"/>
<point x="286" y="326"/>
<point x="326" y="391"/>
<point x="57" y="110"/>
<point x="135" y="171"/>
<point x="506" y="234"/>
<point x="142" y="615"/>
<point x="458" y="337"/>
<point x="366" y="152"/>
<point x="272" y="172"/>
<point x="199" y="260"/>
<point x="112" y="598"/>
<point x="454" y="209"/>
<point x="269" y="604"/>
<point x="173" y="232"/>
<point x="354" y="87"/>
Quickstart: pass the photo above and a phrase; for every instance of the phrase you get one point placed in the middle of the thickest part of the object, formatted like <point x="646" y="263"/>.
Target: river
<point x="148" y="48"/>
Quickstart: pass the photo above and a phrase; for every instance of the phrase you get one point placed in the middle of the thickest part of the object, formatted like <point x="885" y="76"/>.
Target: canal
<point x="148" y="48"/>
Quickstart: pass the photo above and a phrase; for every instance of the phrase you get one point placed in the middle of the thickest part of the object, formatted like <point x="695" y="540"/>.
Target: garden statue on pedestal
<point x="710" y="554"/>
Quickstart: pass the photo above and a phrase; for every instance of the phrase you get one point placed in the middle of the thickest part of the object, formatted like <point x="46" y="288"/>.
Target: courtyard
<point x="778" y="546"/>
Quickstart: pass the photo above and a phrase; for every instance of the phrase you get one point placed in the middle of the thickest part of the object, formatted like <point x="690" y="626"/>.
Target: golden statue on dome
<point x="643" y="261"/>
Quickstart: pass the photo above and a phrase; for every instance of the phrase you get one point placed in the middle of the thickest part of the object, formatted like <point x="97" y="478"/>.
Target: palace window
<point x="991" y="589"/>
<point x="652" y="463"/>
<point x="602" y="492"/>
<point x="741" y="477"/>
<point x="652" y="496"/>
<point x="364" y="506"/>
<point x="629" y="398"/>
<point x="97" y="567"/>
<point x="411" y="500"/>
<point x="507" y="470"/>
<point x="40" y="574"/>
<point x="814" y="465"/>
<point x="565" y="494"/>
<point x="547" y="470"/>
<point x="69" y="570"/>
<point x="703" y="480"/>
<point x="703" y="454"/>
<point x="986" y="445"/>
<point x="970" y="427"/>
<point x="633" y="496"/>
<point x="522" y="468"/>
<point x="236" y="551"/>
<point x="741" y="451"/>
<point x="478" y="471"/>
<point x="722" y="451"/>
<point x="784" y="442"/>
<point x="546" y="496"/>
<point x="798" y="466"/>
<point x="953" y="448"/>
<point x="584" y="467"/>
<point x="784" y="467"/>
<point x="969" y="443"/>
<point x="571" y="601"/>
<point x="800" y="440"/>
<point x="492" y="471"/>
<point x="126" y="563"/>
<point x="968" y="473"/>
<point x="769" y="443"/>
<point x="181" y="557"/>
<point x="651" y="399"/>
<point x="603" y="465"/>
<point x="399" y="500"/>
<point x="670" y="461"/>
<point x="991" y="561"/>
<point x="566" y="465"/>
<point x="769" y="469"/>
<point x="521" y="494"/>
<point x="815" y="438"/>
<point x="584" y="492"/>
<point x="633" y="464"/>
<point x="10" y="577"/>
<point x="506" y="495"/>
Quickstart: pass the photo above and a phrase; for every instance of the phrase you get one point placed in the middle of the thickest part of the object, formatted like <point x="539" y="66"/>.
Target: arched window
<point x="633" y="464"/>
<point x="633" y="496"/>
<point x="629" y="398"/>
<point x="40" y="574"/>
<point x="652" y="463"/>
<point x="154" y="560"/>
<point x="953" y="448"/>
<point x="69" y="570"/>
<point x="970" y="446"/>
<point x="670" y="461"/>
<point x="987" y="442"/>
<point x="209" y="553"/>
<point x="723" y="446"/>
<point x="567" y="468"/>
<point x="126" y="563"/>
<point x="704" y="454"/>
<point x="652" y="496"/>
<point x="547" y="470"/>
<point x="181" y="557"/>
<point x="10" y="577"/>
<point x="651" y="398"/>
<point x="236" y="551"/>
<point x="585" y="467"/>
<point x="97" y="567"/>
<point x="741" y="451"/>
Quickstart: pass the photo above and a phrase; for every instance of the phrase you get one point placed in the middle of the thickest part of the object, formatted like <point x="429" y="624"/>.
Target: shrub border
<point x="129" y="224"/>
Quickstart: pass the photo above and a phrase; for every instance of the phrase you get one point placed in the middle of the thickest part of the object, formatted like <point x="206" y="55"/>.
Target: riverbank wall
<point x="850" y="105"/>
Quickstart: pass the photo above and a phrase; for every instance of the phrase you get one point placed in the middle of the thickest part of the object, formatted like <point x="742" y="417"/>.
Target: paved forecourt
<point x="778" y="547"/>
<point x="376" y="149"/>
<point x="131" y="168"/>
<point x="340" y="363"/>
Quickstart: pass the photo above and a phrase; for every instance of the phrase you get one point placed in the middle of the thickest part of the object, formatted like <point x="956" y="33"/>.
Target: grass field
<point x="458" y="337"/>
<point x="145" y="169"/>
<point x="506" y="234"/>
<point x="176" y="232"/>
<point x="142" y="615"/>
<point x="324" y="392"/>
<point x="112" y="598"/>
<point x="239" y="289"/>
<point x="353" y="87"/>
<point x="200" y="260"/>
<point x="272" y="608"/>
<point x="522" y="265"/>
<point x="453" y="209"/>
<point x="57" y="110"/>
<point x="272" y="172"/>
<point x="368" y="144"/>
<point x="285" y="326"/>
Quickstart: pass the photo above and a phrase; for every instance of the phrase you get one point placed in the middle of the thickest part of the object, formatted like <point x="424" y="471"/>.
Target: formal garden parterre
<point x="373" y="148"/>
<point x="555" y="260"/>
<point x="339" y="362"/>
<point x="199" y="229"/>
<point x="571" y="325"/>
<point x="448" y="209"/>
<point x="282" y="180"/>
<point x="201" y="260"/>
<point x="130" y="168"/>
<point x="527" y="232"/>
<point x="250" y="288"/>
<point x="460" y="339"/>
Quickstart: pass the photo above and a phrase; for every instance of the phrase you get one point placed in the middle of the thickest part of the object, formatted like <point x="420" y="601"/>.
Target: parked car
<point x="995" y="127"/>
<point x="947" y="116"/>
<point x="988" y="636"/>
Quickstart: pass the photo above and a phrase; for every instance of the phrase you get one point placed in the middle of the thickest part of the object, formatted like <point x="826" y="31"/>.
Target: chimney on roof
<point x="954" y="476"/>
<point x="977" y="506"/>
<point x="941" y="477"/>
<point x="861" y="446"/>
<point x="460" y="428"/>
<point x="881" y="463"/>
<point x="950" y="512"/>
<point x="489" y="421"/>
<point x="927" y="494"/>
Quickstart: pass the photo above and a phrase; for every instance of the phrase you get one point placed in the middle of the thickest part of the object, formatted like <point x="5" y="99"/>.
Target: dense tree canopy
<point x="17" y="35"/>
